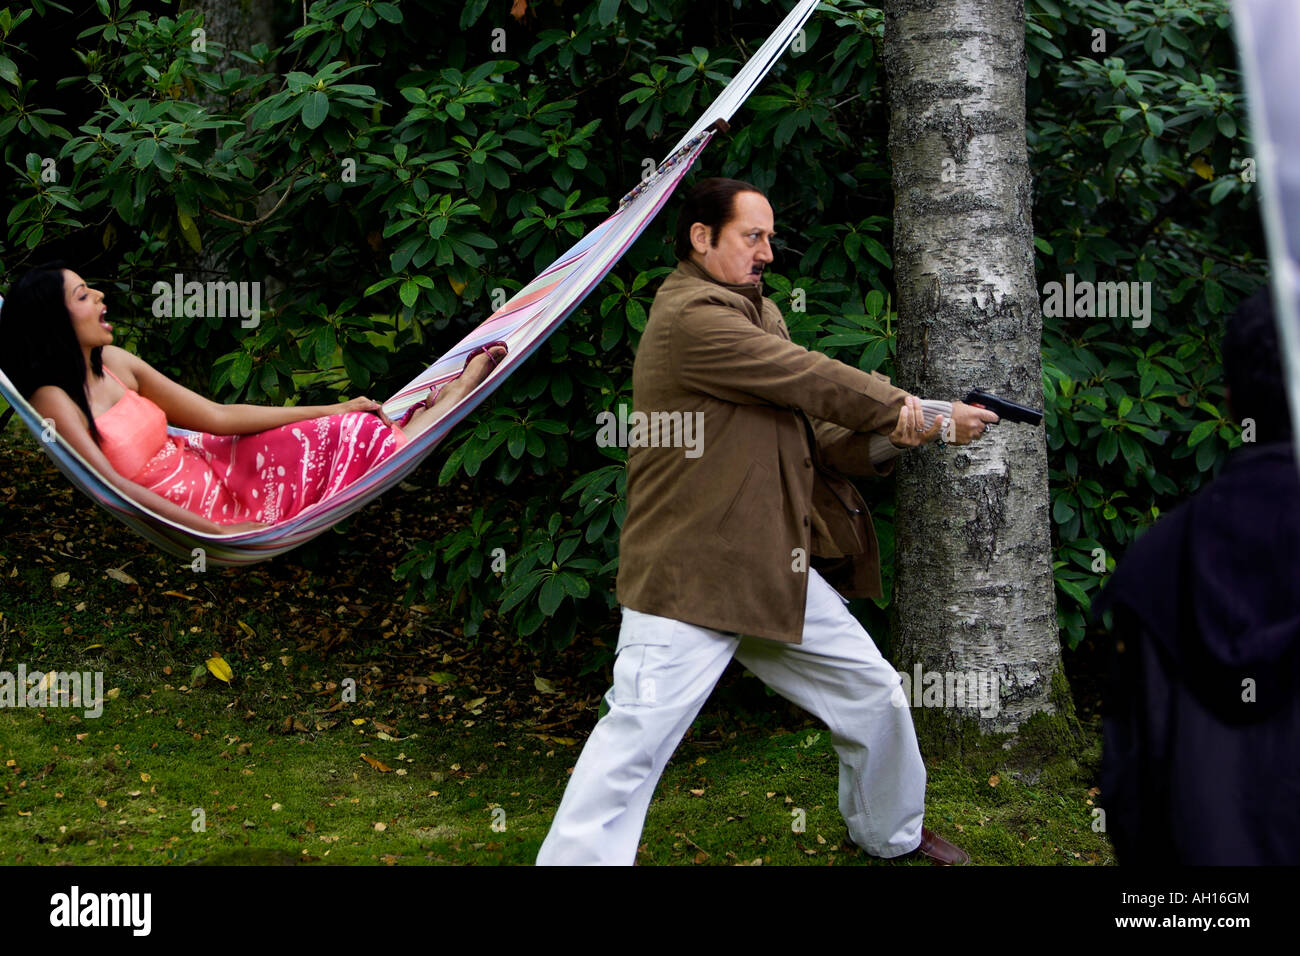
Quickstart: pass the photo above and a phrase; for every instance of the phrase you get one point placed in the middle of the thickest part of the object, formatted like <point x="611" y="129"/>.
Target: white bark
<point x="974" y="588"/>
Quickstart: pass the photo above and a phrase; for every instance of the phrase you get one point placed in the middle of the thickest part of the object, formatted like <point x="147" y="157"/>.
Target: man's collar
<point x="750" y="290"/>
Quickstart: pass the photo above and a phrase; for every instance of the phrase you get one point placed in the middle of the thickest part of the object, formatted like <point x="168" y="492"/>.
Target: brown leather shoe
<point x="939" y="850"/>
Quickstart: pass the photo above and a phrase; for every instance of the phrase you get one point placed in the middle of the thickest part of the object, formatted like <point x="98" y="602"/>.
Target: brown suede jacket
<point x="723" y="537"/>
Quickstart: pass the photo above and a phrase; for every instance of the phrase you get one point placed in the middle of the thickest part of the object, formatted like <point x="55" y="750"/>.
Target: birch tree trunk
<point x="974" y="587"/>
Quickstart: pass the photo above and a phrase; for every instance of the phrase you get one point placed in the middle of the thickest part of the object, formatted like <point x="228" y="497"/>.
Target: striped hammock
<point x="523" y="323"/>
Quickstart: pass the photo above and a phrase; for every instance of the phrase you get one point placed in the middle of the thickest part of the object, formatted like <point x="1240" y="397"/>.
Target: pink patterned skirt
<point x="269" y="476"/>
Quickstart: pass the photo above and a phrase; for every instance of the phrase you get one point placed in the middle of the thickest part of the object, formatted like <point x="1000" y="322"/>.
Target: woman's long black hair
<point x="38" y="345"/>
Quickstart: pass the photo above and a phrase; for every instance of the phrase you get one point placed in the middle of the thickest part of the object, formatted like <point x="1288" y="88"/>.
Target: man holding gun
<point x="740" y="551"/>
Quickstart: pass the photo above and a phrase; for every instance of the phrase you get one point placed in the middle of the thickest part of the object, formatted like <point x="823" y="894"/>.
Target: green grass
<point x="274" y="759"/>
<point x="124" y="788"/>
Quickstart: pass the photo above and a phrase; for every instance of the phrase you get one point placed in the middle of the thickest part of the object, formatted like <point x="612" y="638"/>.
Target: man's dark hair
<point x="1252" y="366"/>
<point x="711" y="202"/>
<point x="38" y="345"/>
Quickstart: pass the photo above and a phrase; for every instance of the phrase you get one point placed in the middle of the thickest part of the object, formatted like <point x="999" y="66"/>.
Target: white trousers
<point x="666" y="669"/>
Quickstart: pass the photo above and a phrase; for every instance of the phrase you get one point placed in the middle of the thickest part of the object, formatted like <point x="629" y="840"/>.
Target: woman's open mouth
<point x="103" y="321"/>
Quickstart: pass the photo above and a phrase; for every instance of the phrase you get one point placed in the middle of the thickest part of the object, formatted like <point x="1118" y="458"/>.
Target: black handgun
<point x="1006" y="411"/>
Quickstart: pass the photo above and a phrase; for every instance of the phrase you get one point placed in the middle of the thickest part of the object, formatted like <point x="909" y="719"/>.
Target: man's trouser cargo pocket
<point x="644" y="649"/>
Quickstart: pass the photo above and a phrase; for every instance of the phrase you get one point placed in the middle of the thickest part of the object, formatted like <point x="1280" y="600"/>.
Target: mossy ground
<point x="126" y="787"/>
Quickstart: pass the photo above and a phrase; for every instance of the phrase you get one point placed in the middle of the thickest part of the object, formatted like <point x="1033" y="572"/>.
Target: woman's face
<point x="86" y="309"/>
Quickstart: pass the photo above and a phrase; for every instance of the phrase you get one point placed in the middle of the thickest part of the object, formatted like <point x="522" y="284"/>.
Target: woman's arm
<point x="187" y="409"/>
<point x="53" y="403"/>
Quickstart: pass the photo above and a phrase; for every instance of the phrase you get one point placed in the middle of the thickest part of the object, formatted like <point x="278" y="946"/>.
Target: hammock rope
<point x="524" y="322"/>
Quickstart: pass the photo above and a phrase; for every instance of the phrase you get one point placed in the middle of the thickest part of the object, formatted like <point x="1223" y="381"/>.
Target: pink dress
<point x="268" y="476"/>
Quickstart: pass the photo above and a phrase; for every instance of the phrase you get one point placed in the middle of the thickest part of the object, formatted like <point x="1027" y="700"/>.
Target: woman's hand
<point x="362" y="404"/>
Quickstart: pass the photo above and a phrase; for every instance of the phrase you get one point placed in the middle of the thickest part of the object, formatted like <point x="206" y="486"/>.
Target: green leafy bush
<point x="387" y="177"/>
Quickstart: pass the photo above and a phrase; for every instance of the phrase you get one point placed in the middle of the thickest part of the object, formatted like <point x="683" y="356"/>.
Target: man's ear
<point x="700" y="236"/>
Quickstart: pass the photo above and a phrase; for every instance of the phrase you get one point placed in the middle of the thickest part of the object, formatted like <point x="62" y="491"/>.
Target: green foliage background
<point x="405" y="159"/>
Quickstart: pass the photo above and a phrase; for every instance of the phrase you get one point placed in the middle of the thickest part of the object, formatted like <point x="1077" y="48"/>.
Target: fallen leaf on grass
<point x="545" y="686"/>
<point x="994" y="780"/>
<point x="219" y="668"/>
<point x="119" y="575"/>
<point x="562" y="741"/>
<point x="60" y="580"/>
<point x="442" y="677"/>
<point x="377" y="764"/>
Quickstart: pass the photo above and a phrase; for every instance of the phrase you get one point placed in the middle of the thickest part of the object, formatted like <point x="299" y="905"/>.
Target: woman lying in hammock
<point x="249" y="466"/>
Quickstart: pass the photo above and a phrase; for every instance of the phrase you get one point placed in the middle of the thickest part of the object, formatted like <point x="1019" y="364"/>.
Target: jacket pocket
<point x="841" y="507"/>
<point x="738" y="520"/>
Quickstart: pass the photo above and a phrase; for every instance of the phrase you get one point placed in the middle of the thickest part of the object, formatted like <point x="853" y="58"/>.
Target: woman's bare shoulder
<point x="123" y="365"/>
<point x="51" y="401"/>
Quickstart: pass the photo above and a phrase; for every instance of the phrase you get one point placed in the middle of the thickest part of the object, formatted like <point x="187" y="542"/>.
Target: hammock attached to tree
<point x="523" y="323"/>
